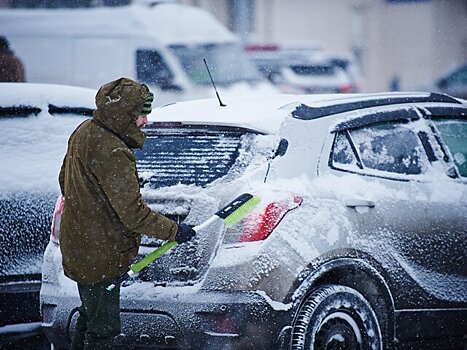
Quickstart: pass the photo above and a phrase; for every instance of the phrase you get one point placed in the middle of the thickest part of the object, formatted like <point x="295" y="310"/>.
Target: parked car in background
<point x="453" y="83"/>
<point x="307" y="70"/>
<point x="35" y="123"/>
<point x="359" y="241"/>
<point x="349" y="64"/>
<point x="344" y="60"/>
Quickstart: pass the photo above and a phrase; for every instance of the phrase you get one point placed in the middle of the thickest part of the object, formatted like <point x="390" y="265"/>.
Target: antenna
<point x="212" y="81"/>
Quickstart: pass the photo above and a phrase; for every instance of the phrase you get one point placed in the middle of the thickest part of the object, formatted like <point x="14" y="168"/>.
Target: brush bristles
<point x="241" y="211"/>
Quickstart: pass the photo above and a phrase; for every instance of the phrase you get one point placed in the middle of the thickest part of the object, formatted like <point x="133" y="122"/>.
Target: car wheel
<point x="336" y="317"/>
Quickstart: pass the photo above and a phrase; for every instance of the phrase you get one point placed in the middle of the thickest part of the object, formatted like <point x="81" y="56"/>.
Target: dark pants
<point x="99" y="317"/>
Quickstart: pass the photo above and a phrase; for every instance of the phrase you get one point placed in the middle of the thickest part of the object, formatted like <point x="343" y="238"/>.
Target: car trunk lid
<point x="188" y="172"/>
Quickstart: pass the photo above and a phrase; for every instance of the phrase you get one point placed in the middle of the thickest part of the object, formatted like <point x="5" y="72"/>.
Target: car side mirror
<point x="281" y="148"/>
<point x="452" y="173"/>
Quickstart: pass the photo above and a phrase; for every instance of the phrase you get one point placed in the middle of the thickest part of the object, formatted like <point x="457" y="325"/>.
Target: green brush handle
<point x="152" y="256"/>
<point x="230" y="214"/>
<point x="143" y="263"/>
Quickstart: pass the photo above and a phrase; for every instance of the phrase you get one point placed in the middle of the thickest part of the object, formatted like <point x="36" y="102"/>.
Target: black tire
<point x="336" y="317"/>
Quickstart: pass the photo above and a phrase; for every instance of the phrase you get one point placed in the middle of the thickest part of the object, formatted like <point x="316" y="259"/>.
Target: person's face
<point x="141" y="121"/>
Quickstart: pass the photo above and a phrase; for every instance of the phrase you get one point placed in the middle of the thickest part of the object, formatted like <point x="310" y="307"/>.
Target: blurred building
<point x="415" y="40"/>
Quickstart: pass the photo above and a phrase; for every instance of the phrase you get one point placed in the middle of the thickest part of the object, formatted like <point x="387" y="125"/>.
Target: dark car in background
<point x="454" y="82"/>
<point x="358" y="242"/>
<point x="35" y="123"/>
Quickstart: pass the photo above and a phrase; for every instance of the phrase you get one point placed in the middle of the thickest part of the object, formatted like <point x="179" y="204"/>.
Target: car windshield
<point x="227" y="63"/>
<point x="315" y="70"/>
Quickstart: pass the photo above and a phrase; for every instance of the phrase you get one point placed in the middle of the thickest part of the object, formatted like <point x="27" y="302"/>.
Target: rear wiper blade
<point x="86" y="112"/>
<point x="18" y="111"/>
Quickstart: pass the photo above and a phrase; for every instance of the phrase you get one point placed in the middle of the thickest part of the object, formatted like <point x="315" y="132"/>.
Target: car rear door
<point x="449" y="129"/>
<point x="407" y="213"/>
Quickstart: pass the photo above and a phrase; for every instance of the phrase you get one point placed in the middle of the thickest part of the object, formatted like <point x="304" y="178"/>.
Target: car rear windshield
<point x="193" y="156"/>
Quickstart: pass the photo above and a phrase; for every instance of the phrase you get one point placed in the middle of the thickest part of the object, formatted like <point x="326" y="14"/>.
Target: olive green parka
<point x="104" y="215"/>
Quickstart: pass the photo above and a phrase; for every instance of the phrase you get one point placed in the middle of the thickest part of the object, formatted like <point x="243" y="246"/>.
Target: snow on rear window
<point x="198" y="157"/>
<point x="32" y="150"/>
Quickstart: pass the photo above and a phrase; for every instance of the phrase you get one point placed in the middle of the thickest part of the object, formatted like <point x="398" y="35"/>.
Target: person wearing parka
<point x="104" y="215"/>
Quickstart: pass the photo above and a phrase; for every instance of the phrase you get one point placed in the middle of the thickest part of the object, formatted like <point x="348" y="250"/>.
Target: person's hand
<point x="184" y="233"/>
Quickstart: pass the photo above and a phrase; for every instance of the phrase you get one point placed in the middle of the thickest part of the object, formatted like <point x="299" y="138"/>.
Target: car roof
<point x="42" y="95"/>
<point x="264" y="113"/>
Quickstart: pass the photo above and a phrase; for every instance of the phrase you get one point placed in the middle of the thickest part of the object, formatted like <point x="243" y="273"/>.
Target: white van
<point x="161" y="45"/>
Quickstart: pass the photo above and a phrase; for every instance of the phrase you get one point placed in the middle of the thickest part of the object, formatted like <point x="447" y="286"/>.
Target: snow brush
<point x="232" y="213"/>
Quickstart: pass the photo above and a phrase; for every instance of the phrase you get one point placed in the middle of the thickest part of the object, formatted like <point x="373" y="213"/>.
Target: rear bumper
<point x="19" y="309"/>
<point x="13" y="334"/>
<point x="200" y="320"/>
<point x="19" y="299"/>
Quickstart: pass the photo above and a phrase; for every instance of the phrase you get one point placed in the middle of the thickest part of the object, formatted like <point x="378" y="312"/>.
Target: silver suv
<point x="359" y="241"/>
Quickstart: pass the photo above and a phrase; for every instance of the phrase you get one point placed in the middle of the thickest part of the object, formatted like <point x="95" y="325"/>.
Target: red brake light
<point x="57" y="215"/>
<point x="346" y="89"/>
<point x="258" y="227"/>
<point x="261" y="47"/>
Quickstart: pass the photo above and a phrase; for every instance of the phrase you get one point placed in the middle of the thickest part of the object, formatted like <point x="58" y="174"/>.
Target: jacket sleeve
<point x="118" y="177"/>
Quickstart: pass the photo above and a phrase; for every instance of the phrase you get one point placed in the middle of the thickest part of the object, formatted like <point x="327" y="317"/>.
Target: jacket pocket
<point x="125" y="261"/>
<point x="127" y="257"/>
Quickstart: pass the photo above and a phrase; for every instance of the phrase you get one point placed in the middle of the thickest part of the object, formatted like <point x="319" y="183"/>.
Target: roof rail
<point x="307" y="113"/>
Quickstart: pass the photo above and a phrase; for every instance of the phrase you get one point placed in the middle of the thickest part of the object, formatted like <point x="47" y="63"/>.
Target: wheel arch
<point x="350" y="272"/>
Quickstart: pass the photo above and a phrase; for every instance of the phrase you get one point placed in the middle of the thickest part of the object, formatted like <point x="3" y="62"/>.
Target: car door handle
<point x="355" y="203"/>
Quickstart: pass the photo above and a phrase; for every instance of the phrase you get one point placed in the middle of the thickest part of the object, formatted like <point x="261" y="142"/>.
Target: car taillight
<point x="259" y="225"/>
<point x="57" y="216"/>
<point x="346" y="89"/>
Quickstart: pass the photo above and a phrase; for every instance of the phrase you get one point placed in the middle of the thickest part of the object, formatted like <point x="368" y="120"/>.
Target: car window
<point x="342" y="153"/>
<point x="454" y="135"/>
<point x="197" y="157"/>
<point x="389" y="147"/>
<point x="384" y="147"/>
<point x="187" y="159"/>
<point x="151" y="68"/>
